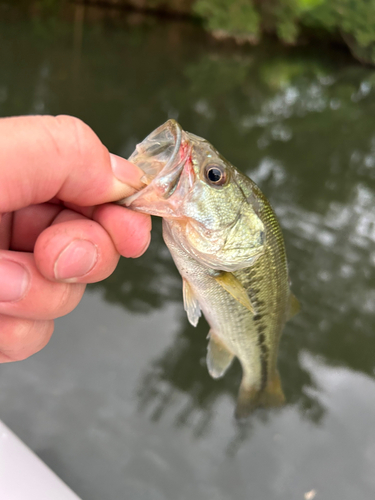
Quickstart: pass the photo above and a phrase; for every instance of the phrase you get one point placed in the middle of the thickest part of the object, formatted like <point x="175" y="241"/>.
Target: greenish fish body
<point x="228" y="247"/>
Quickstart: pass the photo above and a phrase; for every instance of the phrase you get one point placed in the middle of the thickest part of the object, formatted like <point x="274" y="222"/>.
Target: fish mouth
<point x="162" y="156"/>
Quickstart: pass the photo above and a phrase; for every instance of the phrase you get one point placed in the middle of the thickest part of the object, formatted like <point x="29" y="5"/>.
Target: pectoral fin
<point x="231" y="284"/>
<point x="191" y="304"/>
<point x="294" y="306"/>
<point x="218" y="356"/>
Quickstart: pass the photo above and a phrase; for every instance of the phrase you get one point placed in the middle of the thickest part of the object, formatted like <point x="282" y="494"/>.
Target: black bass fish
<point x="228" y="247"/>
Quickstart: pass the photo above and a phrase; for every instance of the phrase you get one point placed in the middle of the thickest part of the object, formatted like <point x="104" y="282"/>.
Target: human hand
<point x="57" y="229"/>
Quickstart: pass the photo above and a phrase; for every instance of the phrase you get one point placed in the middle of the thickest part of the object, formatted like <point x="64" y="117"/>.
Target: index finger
<point x="44" y="156"/>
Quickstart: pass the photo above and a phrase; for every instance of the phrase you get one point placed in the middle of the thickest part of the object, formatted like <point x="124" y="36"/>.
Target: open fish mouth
<point x="161" y="156"/>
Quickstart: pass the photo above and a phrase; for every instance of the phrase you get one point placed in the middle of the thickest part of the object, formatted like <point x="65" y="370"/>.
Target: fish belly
<point x="230" y="321"/>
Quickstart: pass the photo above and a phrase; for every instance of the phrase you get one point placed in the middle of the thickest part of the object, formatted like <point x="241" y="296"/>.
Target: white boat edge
<point x="24" y="476"/>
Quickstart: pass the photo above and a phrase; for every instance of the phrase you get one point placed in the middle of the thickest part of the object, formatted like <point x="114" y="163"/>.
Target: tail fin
<point x="249" y="398"/>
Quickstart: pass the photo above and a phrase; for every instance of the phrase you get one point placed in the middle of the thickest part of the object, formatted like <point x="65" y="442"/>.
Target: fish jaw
<point x="164" y="156"/>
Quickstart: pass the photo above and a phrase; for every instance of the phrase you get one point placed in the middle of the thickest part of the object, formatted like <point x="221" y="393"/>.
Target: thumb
<point x="42" y="157"/>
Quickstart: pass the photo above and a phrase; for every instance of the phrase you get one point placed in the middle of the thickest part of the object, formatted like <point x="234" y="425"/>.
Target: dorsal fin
<point x="294" y="306"/>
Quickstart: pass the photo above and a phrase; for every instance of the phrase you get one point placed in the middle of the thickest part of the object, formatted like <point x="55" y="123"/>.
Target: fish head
<point x="203" y="198"/>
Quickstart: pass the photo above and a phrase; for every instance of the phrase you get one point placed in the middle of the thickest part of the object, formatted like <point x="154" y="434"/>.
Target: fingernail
<point x="76" y="260"/>
<point x="14" y="281"/>
<point x="126" y="172"/>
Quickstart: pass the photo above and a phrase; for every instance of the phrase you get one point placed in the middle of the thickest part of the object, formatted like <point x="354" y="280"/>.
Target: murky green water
<point x="120" y="404"/>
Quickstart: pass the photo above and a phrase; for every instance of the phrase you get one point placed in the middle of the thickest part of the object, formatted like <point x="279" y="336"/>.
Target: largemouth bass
<point x="228" y="247"/>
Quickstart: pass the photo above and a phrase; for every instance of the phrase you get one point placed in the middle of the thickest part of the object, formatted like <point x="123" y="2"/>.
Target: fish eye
<point x="215" y="174"/>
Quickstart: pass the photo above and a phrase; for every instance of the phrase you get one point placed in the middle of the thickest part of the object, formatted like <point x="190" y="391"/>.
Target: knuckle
<point x="81" y="135"/>
<point x="25" y="338"/>
<point x="45" y="333"/>
<point x="72" y="123"/>
<point x="68" y="299"/>
<point x="78" y="137"/>
<point x="19" y="335"/>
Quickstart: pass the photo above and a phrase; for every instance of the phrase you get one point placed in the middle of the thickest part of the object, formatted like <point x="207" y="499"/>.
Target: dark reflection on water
<point x="302" y="127"/>
<point x="300" y="122"/>
<point x="182" y="369"/>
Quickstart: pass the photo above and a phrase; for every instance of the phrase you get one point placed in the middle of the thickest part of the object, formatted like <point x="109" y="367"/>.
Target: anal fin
<point x="250" y="398"/>
<point x="191" y="304"/>
<point x="219" y="357"/>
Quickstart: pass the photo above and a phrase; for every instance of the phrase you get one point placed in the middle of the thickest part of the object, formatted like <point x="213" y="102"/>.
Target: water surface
<point x="120" y="404"/>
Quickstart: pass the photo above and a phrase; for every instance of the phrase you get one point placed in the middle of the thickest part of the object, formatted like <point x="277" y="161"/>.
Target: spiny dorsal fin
<point x="218" y="356"/>
<point x="294" y="306"/>
<point x="191" y="304"/>
<point x="231" y="284"/>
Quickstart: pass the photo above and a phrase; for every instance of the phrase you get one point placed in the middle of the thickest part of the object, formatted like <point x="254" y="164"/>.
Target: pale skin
<point x="58" y="229"/>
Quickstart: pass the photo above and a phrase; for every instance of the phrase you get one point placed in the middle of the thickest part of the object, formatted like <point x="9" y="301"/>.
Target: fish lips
<point x="163" y="158"/>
